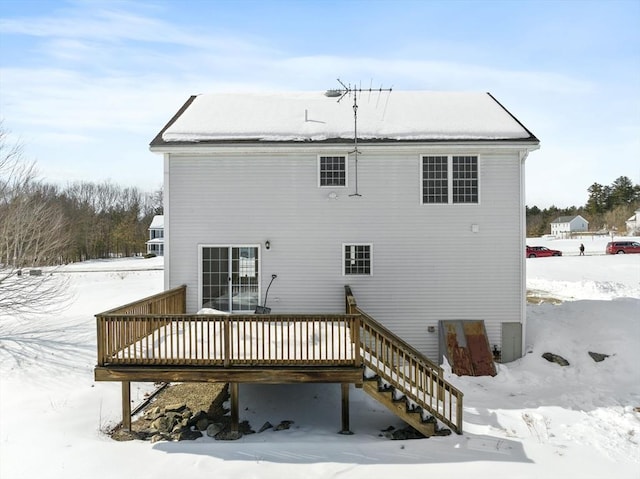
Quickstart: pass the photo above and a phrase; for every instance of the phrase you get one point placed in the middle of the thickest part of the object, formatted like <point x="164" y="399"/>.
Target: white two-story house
<point x="417" y="203"/>
<point x="155" y="244"/>
<point x="565" y="226"/>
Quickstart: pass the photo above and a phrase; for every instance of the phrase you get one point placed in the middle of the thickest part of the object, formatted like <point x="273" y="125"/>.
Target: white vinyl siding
<point x="427" y="261"/>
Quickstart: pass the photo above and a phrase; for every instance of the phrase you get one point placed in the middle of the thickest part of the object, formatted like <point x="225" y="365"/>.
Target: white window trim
<point x="346" y="170"/>
<point x="450" y="179"/>
<point x="229" y="245"/>
<point x="355" y="243"/>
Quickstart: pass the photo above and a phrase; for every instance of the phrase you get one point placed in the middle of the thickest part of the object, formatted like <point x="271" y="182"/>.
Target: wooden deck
<point x="154" y="340"/>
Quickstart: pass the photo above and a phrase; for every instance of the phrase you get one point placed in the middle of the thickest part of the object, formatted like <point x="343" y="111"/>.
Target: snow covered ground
<point x="534" y="419"/>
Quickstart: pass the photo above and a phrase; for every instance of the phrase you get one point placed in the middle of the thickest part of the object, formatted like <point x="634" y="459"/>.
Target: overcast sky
<point x="86" y="85"/>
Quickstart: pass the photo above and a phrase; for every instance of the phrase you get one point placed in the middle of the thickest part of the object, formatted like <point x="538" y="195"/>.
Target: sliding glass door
<point x="230" y="278"/>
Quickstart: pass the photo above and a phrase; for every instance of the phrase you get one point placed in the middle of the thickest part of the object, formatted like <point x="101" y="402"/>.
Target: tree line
<point x="607" y="208"/>
<point x="46" y="224"/>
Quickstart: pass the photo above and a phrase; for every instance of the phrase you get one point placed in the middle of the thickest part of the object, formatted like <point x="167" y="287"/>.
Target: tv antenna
<point x="348" y="90"/>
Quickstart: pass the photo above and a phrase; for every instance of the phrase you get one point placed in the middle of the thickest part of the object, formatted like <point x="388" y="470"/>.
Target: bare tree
<point x="33" y="233"/>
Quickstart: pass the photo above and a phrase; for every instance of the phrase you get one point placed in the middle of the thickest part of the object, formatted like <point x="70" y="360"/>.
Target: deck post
<point x="345" y="409"/>
<point x="227" y="343"/>
<point x="126" y="405"/>
<point x="234" y="407"/>
<point x="459" y="414"/>
<point x="356" y="340"/>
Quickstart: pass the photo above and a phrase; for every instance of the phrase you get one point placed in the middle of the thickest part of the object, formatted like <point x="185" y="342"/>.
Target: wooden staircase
<point x="403" y="379"/>
<point x="386" y="395"/>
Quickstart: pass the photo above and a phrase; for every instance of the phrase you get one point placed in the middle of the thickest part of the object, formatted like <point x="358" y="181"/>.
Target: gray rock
<point x="193" y="420"/>
<point x="443" y="432"/>
<point x="265" y="426"/>
<point x="153" y="413"/>
<point x="555" y="358"/>
<point x="405" y="433"/>
<point x="178" y="407"/>
<point x="202" y="424"/>
<point x="598" y="357"/>
<point x="174" y="417"/>
<point x="186" y="435"/>
<point x="162" y="424"/>
<point x="245" y="428"/>
<point x="228" y="435"/>
<point x="283" y="425"/>
<point x="213" y="430"/>
<point x="159" y="437"/>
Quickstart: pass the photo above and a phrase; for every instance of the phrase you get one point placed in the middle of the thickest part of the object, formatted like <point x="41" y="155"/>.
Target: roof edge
<point x="158" y="138"/>
<point x="157" y="146"/>
<point x="533" y="137"/>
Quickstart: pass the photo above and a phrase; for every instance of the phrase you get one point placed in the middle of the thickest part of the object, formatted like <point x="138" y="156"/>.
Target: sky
<point x="86" y="85"/>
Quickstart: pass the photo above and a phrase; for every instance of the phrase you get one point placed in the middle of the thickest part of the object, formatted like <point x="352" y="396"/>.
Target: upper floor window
<point x="450" y="179"/>
<point x="156" y="233"/>
<point x="357" y="259"/>
<point x="332" y="170"/>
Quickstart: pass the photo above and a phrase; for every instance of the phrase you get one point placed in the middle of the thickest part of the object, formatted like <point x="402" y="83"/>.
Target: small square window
<point x="357" y="259"/>
<point x="333" y="170"/>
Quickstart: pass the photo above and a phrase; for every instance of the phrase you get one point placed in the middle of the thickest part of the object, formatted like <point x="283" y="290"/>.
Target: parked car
<point x="541" y="252"/>
<point x="621" y="247"/>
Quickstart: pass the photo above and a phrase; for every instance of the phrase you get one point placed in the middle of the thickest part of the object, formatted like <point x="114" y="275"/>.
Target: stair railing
<point x="407" y="370"/>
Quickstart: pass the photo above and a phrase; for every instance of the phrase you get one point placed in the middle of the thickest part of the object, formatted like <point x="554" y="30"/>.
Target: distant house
<point x="633" y="224"/>
<point x="565" y="226"/>
<point x="155" y="245"/>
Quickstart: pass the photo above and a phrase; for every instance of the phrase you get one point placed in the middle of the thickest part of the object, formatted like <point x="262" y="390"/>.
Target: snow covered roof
<point x="567" y="219"/>
<point x="312" y="116"/>
<point x="157" y="222"/>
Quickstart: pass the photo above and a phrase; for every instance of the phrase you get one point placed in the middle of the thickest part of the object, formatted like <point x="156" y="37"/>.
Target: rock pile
<point x="178" y="423"/>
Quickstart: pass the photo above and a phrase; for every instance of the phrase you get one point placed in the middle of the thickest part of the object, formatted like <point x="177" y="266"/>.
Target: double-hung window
<point x="448" y="179"/>
<point x="332" y="171"/>
<point x="356" y="259"/>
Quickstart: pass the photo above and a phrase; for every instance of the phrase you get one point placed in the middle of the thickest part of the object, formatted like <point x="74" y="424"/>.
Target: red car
<point x="621" y="247"/>
<point x="541" y="251"/>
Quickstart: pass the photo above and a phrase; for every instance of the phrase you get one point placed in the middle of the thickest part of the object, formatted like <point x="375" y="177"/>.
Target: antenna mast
<point x="348" y="90"/>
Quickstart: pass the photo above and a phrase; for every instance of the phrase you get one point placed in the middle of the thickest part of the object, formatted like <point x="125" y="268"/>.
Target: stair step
<point x="399" y="408"/>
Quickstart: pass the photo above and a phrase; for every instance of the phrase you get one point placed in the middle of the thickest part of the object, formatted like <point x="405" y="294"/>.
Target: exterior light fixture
<point x="267" y="244"/>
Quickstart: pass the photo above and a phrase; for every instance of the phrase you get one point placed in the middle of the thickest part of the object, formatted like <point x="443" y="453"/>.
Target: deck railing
<point x="172" y="301"/>
<point x="406" y="369"/>
<point x="227" y="341"/>
<point x="114" y="336"/>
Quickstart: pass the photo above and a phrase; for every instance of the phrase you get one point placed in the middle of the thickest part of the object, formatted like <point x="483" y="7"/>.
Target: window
<point x="450" y="179"/>
<point x="465" y="179"/>
<point x="435" y="184"/>
<point x="357" y="259"/>
<point x="332" y="170"/>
